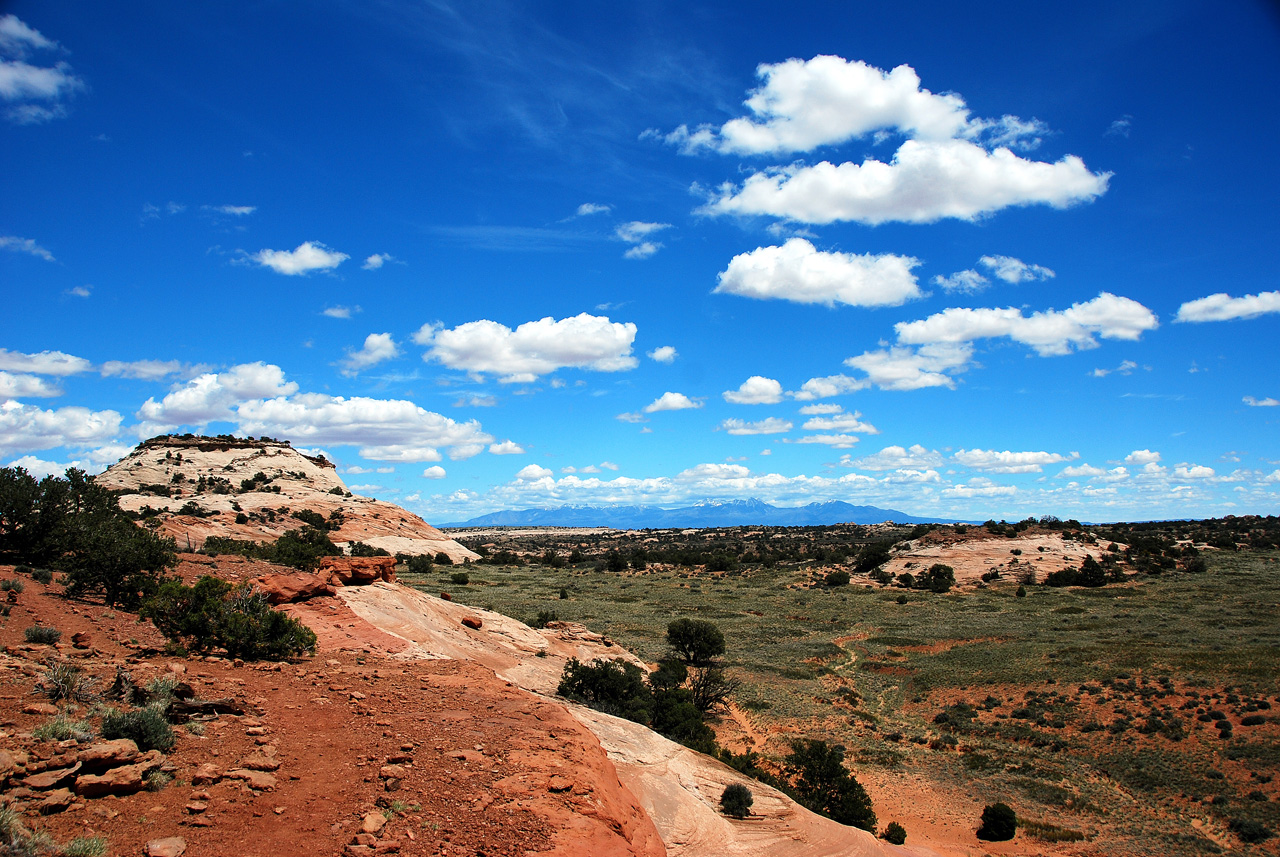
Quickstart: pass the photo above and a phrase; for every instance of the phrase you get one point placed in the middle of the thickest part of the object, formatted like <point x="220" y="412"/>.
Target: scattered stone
<point x="206" y="775"/>
<point x="364" y="839"/>
<point x="56" y="801"/>
<point x="373" y="823"/>
<point x="196" y="807"/>
<point x="472" y="622"/>
<point x="42" y="709"/>
<point x="391" y="771"/>
<point x="173" y="846"/>
<point x="80" y="640"/>
<point x="260" y="762"/>
<point x="51" y="779"/>
<point x="259" y="781"/>
<point x="558" y="784"/>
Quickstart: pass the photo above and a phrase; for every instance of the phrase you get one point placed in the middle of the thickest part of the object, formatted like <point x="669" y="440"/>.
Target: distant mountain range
<point x="707" y="513"/>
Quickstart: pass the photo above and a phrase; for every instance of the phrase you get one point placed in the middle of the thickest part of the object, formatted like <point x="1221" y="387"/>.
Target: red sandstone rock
<point x="300" y="586"/>
<point x="108" y="754"/>
<point x="357" y="570"/>
<point x="472" y="622"/>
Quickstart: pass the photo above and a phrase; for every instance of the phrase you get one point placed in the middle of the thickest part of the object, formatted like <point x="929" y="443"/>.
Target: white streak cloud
<point x="43" y="363"/>
<point x="992" y="461"/>
<point x="25" y="245"/>
<point x="1015" y="271"/>
<point x="772" y="425"/>
<point x="1223" y="307"/>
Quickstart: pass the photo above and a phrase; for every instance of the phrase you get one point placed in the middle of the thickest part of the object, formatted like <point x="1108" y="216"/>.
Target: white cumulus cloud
<point x="532" y="349"/>
<point x="756" y="390"/>
<point x="377" y="348"/>
<point x="377" y="260"/>
<point x="671" y="402"/>
<point x="664" y="354"/>
<point x="803" y="104"/>
<point x="435" y="471"/>
<point x="24" y="428"/>
<point x="306" y="257"/>
<point x="797" y="271"/>
<point x="1049" y="332"/>
<point x="15" y="386"/>
<point x="383" y="429"/>
<point x="507" y="447"/>
<point x="967" y="280"/>
<point x="1142" y="457"/>
<point x="214" y="396"/>
<point x="1223" y="307"/>
<point x="1261" y="403"/>
<point x="925" y="182"/>
<point x="636" y="233"/>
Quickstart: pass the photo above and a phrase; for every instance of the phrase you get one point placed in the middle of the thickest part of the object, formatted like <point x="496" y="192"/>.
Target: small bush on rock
<point x="736" y="801"/>
<point x="146" y="727"/>
<point x="894" y="834"/>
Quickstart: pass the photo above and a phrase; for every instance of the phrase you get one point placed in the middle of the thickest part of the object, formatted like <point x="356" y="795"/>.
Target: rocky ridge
<point x="254" y="490"/>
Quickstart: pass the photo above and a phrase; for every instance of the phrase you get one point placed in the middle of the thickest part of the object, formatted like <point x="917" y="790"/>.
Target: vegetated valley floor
<point x="1142" y="717"/>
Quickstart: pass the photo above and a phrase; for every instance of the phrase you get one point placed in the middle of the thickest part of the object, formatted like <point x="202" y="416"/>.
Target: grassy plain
<point x="1097" y="713"/>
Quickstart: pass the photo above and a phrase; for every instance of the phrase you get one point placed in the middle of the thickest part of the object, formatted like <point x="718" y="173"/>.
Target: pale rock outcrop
<point x="290" y="480"/>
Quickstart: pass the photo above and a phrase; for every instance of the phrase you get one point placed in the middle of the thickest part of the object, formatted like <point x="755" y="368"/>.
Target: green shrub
<point x="362" y="549"/>
<point x="1249" y="831"/>
<point x="42" y="575"/>
<point x="215" y="615"/>
<point x="696" y="641"/>
<point x="146" y="727"/>
<point x="418" y="565"/>
<point x="999" y="823"/>
<point x="443" y="559"/>
<point x="459" y="578"/>
<point x="85" y="846"/>
<point x="736" y="800"/>
<point x="837" y="578"/>
<point x="42" y="634"/>
<point x="61" y="681"/>
<point x="62" y="728"/>
<point x="939" y="578"/>
<point x="615" y="687"/>
<point x="544" y="617"/>
<point x="12" y="584"/>
<point x="894" y="833"/>
<point x="822" y="784"/>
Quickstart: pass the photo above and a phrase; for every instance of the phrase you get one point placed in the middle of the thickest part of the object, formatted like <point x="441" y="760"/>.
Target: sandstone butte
<point x="261" y="484"/>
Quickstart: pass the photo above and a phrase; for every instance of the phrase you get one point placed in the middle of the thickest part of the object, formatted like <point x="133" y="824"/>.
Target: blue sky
<point x="965" y="260"/>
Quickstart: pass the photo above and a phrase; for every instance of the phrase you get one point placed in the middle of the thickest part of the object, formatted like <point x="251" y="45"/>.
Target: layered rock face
<point x="256" y="490"/>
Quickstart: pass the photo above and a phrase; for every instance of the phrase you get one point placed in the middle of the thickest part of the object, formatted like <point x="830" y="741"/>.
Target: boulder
<point x="298" y="586"/>
<point x="472" y="622"/>
<point x="52" y="779"/>
<point x="359" y="570"/>
<point x="108" y="754"/>
<point x="123" y="780"/>
<point x="80" y="640"/>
